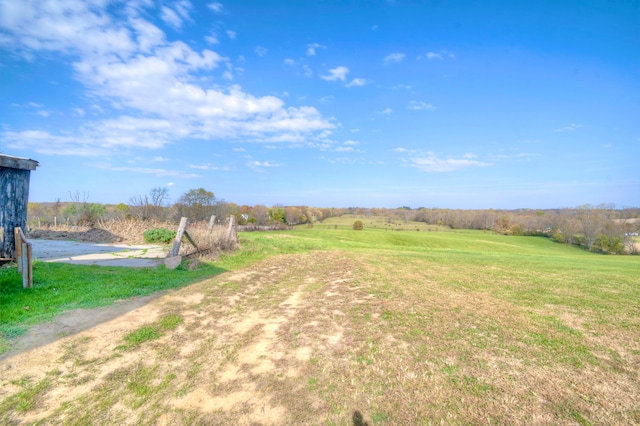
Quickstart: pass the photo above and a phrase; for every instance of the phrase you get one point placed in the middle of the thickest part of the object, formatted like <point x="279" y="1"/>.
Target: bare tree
<point x="159" y="198"/>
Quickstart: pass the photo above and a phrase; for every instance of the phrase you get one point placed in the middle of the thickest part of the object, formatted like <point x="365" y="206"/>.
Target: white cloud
<point x="290" y="62"/>
<point x="386" y="111"/>
<point x="203" y="167"/>
<point x="344" y="149"/>
<point x="159" y="159"/>
<point x="569" y="128"/>
<point x="171" y="184"/>
<point x="171" y="18"/>
<point x="351" y="143"/>
<point x="443" y="54"/>
<point x="307" y="71"/>
<point x="400" y="149"/>
<point x="154" y="85"/>
<point x="356" y="82"/>
<point x="260" y="165"/>
<point x="401" y="86"/>
<point x="212" y="39"/>
<point x="216" y="7"/>
<point x="313" y="47"/>
<point x="339" y="73"/>
<point x="231" y="34"/>
<point x="327" y="99"/>
<point x="175" y="18"/>
<point x="419" y="106"/>
<point x="239" y="150"/>
<point x="394" y="58"/>
<point x="261" y="51"/>
<point x="433" y="164"/>
<point x="151" y="171"/>
<point x="470" y="155"/>
<point x="43" y="113"/>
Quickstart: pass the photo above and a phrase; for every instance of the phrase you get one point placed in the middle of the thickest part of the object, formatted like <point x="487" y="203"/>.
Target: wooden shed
<point x="14" y="198"/>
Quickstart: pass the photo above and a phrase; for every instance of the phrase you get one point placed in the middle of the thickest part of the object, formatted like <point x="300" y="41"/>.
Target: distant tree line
<point x="601" y="228"/>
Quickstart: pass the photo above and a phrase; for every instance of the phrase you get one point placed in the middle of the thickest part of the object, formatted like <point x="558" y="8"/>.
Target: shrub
<point x="358" y="225"/>
<point x="159" y="235"/>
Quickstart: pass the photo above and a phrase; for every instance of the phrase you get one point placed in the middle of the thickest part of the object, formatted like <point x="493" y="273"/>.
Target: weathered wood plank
<point x="18" y="163"/>
<point x="14" y="198"/>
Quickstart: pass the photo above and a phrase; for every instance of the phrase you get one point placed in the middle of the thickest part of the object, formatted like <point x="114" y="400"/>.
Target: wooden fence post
<point x="230" y="230"/>
<point x="176" y="244"/>
<point x="212" y="222"/>
<point x="24" y="258"/>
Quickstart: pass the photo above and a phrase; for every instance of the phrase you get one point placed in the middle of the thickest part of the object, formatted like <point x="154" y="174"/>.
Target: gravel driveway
<point x="148" y="255"/>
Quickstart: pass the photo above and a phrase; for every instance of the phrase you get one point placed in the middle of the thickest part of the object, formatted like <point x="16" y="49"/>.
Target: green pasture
<point x="375" y="222"/>
<point x="453" y="327"/>
<point x="543" y="270"/>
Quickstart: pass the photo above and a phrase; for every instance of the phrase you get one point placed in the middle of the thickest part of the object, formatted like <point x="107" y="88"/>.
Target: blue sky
<point x="452" y="104"/>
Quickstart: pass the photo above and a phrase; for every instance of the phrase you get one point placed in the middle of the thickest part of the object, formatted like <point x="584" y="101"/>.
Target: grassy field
<point x="327" y="325"/>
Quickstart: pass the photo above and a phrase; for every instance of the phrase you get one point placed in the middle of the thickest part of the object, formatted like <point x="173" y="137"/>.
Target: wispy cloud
<point x="441" y="55"/>
<point x="216" y="7"/>
<point x="177" y="16"/>
<point x="419" y="106"/>
<point x="335" y="74"/>
<point x="232" y="34"/>
<point x="393" y="58"/>
<point x="402" y="150"/>
<point x="261" y="51"/>
<point x="431" y="163"/>
<point x="356" y="82"/>
<point x="569" y="128"/>
<point x="386" y="111"/>
<point x="208" y="166"/>
<point x="151" y="171"/>
<point x="313" y="47"/>
<point x="259" y="166"/>
<point x="212" y="39"/>
<point x="401" y="86"/>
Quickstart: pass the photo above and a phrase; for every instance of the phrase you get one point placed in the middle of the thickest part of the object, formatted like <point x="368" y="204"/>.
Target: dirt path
<point x="238" y="356"/>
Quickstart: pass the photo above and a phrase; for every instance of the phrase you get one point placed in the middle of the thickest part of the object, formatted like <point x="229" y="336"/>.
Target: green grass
<point x="481" y="260"/>
<point x="150" y="332"/>
<point x="456" y="327"/>
<point x="58" y="287"/>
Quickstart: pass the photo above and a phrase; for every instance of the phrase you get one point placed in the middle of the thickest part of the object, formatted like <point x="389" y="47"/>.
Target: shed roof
<point x="11" y="162"/>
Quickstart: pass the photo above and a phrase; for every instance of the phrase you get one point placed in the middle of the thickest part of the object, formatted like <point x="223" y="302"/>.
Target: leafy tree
<point x="277" y="214"/>
<point x="197" y="204"/>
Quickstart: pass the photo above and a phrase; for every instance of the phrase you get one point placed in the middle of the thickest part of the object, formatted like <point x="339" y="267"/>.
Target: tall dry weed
<point x="209" y="242"/>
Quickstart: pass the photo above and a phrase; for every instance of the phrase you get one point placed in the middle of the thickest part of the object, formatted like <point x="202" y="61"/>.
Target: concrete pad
<point x="80" y="253"/>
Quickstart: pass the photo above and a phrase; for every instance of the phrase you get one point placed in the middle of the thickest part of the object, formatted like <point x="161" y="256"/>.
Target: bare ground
<point x="312" y="339"/>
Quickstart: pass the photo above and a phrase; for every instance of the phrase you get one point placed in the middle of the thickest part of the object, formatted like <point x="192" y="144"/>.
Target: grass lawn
<point x="316" y="323"/>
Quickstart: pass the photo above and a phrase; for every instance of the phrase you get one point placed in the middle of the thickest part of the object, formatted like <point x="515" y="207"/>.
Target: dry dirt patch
<point x="239" y="355"/>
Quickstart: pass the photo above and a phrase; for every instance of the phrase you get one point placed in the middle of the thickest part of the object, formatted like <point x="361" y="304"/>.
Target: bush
<point x="358" y="226"/>
<point x="159" y="235"/>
